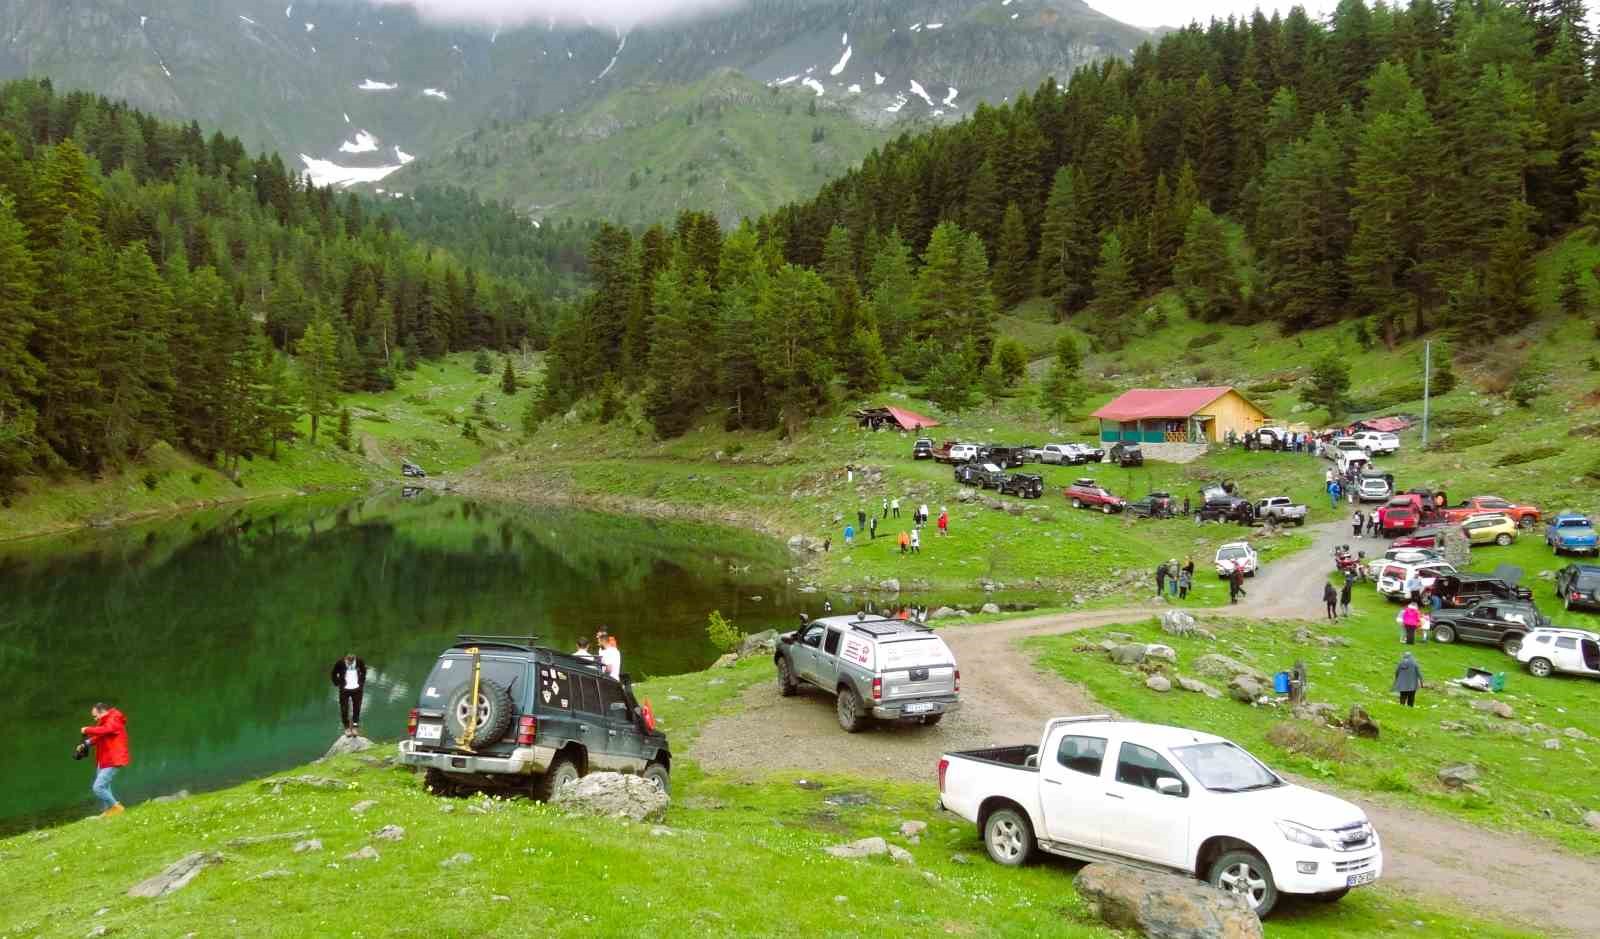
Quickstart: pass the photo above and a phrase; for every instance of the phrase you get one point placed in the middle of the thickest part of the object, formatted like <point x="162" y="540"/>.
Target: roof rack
<point x="878" y="628"/>
<point x="526" y="643"/>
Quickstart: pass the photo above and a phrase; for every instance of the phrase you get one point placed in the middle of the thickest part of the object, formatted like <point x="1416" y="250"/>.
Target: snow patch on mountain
<point x="950" y="98"/>
<point x="310" y="27"/>
<point x="347" y="117"/>
<point x="855" y="89"/>
<point x="436" y="93"/>
<point x="899" y="102"/>
<point x="363" y="143"/>
<point x="403" y="156"/>
<point x="247" y="19"/>
<point x="844" y="60"/>
<point x="845" y="40"/>
<point x="613" y="63"/>
<point x="784" y="81"/>
<point x="373" y="85"/>
<point x="814" y="85"/>
<point x="919" y="91"/>
<point x="935" y="26"/>
<point x="329" y="173"/>
<point x="878" y="78"/>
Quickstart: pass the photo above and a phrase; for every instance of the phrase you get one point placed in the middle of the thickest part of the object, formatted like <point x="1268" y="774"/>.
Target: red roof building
<point x="1178" y="415"/>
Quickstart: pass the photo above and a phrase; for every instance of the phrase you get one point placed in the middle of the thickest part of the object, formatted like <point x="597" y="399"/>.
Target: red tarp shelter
<point x="893" y="416"/>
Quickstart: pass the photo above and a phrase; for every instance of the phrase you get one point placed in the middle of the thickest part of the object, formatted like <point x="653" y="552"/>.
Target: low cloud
<point x="510" y="13"/>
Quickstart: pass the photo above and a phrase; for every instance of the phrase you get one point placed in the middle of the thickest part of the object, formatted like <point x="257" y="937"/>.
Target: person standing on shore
<point x="905" y="542"/>
<point x="109" y="736"/>
<point x="885" y="506"/>
<point x="861" y="517"/>
<point x="349" y="675"/>
<point x="1356" y="521"/>
<point x="1161" y="578"/>
<point x="849" y="536"/>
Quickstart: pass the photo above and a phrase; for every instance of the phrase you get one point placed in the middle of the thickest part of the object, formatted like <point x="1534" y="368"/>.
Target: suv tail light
<point x="527" y="728"/>
<point x="944" y="764"/>
<point x="1574" y="595"/>
<point x="877" y="689"/>
<point x="958" y="679"/>
<point x="411" y="723"/>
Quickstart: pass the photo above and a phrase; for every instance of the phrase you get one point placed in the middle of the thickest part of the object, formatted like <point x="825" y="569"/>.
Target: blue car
<point x="1570" y="532"/>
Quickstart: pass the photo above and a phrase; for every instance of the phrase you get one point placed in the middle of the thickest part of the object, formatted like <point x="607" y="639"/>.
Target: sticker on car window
<point x="431" y="693"/>
<point x="446" y="663"/>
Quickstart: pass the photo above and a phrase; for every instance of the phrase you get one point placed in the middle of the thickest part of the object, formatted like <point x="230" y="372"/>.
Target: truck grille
<point x="1355" y="837"/>
<point x="1354" y="867"/>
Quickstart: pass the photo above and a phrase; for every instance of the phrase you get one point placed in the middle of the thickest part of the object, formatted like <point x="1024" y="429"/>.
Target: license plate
<point x="430" y="731"/>
<point x="1356" y="880"/>
<point x="921" y="708"/>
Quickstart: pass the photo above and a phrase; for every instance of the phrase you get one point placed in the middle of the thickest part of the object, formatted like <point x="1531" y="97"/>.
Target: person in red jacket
<point x="109" y="735"/>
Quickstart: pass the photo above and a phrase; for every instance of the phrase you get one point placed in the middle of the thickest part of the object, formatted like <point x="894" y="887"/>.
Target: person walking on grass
<point x="109" y="737"/>
<point x="944" y="521"/>
<point x="1344" y="593"/>
<point x="1161" y="578"/>
<point x="923" y="513"/>
<point x="1407" y="679"/>
<point x="916" y="541"/>
<point x="1410" y="622"/>
<point x="885" y="506"/>
<point x="1330" y="599"/>
<point x="874" y="529"/>
<point x="1356" y="522"/>
<point x="894" y="506"/>
<point x="1172" y="576"/>
<point x="349" y="675"/>
<point x="1185" y="581"/>
<point x="1236" y="584"/>
<point x="905" y="542"/>
<point x="861" y="517"/>
<point x="849" y="537"/>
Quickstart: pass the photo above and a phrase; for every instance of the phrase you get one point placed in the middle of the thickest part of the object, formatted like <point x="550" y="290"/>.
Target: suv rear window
<point x="451" y="671"/>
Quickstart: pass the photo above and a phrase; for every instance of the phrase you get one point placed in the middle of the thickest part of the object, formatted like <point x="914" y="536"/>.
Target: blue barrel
<point x="1280" y="683"/>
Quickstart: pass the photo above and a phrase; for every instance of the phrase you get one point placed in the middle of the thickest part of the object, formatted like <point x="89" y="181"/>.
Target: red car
<point x="1400" y="514"/>
<point x="1526" y="516"/>
<point x="1431" y="538"/>
<point x="1088" y="494"/>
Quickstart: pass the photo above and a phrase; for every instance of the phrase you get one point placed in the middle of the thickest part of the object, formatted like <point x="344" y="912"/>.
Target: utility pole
<point x="1427" y="377"/>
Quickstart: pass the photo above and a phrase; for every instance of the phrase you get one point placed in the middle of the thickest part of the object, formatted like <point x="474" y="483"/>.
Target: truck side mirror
<point x="1168" y="786"/>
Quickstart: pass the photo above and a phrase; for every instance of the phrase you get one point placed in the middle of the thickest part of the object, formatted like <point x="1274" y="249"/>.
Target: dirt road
<point x="1006" y="699"/>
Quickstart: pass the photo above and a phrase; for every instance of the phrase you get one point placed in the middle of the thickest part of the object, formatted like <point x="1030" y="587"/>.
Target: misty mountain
<point x="350" y="93"/>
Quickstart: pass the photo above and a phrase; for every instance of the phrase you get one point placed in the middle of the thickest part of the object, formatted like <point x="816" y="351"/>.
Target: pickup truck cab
<point x="1237" y="555"/>
<point x="1571" y="532"/>
<point x="1348" y="447"/>
<point x="1218" y="503"/>
<point x="1281" y="510"/>
<point x="1060" y="454"/>
<point x="1087" y="494"/>
<point x="540" y="720"/>
<point x="1525" y="516"/>
<point x="1163" y="798"/>
<point x="887" y="669"/>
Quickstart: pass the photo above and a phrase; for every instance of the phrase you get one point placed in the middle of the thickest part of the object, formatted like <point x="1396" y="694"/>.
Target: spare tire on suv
<point x="495" y="713"/>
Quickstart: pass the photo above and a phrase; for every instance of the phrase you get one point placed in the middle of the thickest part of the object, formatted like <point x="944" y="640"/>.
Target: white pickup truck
<point x="1165" y="798"/>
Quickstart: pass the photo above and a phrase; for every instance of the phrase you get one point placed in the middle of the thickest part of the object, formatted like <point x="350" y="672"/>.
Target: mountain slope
<point x="350" y="92"/>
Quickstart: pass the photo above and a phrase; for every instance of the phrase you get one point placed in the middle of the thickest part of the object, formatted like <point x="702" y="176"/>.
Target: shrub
<point x="1465" y="440"/>
<point x="1519" y="457"/>
<point x="1392" y="780"/>
<point x="1308" y="740"/>
<point x="1205" y="339"/>
<point x="151" y="481"/>
<point x="1456" y="417"/>
<point x="196" y="476"/>
<point x="1269" y="386"/>
<point x="1205" y="376"/>
<point x="723" y="634"/>
<point x="1585" y="430"/>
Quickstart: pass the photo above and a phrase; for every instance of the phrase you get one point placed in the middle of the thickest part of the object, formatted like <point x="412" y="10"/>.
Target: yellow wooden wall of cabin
<point x="1231" y="412"/>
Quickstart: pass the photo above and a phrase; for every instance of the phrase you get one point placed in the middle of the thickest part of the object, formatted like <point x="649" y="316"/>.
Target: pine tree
<point x="280" y="399"/>
<point x="865" y="367"/>
<point x="19" y="369"/>
<point x="1204" y="272"/>
<point x="1574" y="294"/>
<point x="482" y="364"/>
<point x="1067" y="244"/>
<point x="319" y="372"/>
<point x="1330" y="385"/>
<point x="1012" y="264"/>
<point x="508" y="379"/>
<point x="682" y="372"/>
<point x="1532" y="381"/>
<point x="341" y="438"/>
<point x="891" y="289"/>
<point x="1063" y="390"/>
<point x="1114" y="295"/>
<point x="1013" y="361"/>
<point x="949" y="382"/>
<point x="792" y="328"/>
<point x="993" y="380"/>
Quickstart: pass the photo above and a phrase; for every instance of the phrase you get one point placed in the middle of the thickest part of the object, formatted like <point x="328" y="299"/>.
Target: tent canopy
<point x="907" y="420"/>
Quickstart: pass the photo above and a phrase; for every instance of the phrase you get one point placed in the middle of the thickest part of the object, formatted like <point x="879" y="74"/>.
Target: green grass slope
<point x="727" y="145"/>
<point x="734" y="857"/>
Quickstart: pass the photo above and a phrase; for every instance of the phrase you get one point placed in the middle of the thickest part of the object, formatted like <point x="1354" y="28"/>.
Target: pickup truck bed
<point x="1014" y="757"/>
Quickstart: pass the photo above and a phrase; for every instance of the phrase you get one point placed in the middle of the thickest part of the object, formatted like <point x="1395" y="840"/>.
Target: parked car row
<point x="992" y="476"/>
<point x="1011" y="457"/>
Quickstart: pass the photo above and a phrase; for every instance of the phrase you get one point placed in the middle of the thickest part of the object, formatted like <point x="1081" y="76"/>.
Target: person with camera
<point x="349" y="675"/>
<point x="108" y="736"/>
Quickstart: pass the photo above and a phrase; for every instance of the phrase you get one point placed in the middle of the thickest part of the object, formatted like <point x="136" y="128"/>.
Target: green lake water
<point x="215" y="632"/>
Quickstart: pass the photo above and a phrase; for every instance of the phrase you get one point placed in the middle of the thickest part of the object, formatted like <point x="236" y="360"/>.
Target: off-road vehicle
<point x="504" y="713"/>
<point x="1026" y="485"/>
<point x="887" y="669"/>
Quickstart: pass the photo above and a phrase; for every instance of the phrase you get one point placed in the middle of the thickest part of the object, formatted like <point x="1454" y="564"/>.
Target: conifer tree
<point x="1062" y="390"/>
<point x="1204" y="273"/>
<point x="508" y="379"/>
<point x="1067" y="244"/>
<point x="1114" y="295"/>
<point x="19" y="369"/>
<point x="319" y="372"/>
<point x="1012" y="264"/>
<point x="342" y="435"/>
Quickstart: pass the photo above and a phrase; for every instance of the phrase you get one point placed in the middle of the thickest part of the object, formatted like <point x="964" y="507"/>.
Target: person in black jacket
<point x="349" y="675"/>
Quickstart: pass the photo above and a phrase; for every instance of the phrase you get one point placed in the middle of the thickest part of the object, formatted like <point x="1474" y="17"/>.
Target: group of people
<point x="1338" y="600"/>
<point x="609" y="656"/>
<point x="910" y="540"/>
<point x="1291" y="442"/>
<point x="1173" y="579"/>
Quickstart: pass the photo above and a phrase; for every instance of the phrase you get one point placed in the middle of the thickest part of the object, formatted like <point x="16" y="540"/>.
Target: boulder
<point x="1164" y="906"/>
<point x="866" y="847"/>
<point x="1246" y="689"/>
<point x="1575" y="733"/>
<point x="346" y="744"/>
<point x="1177" y="622"/>
<point x="764" y="641"/>
<point x="912" y="829"/>
<point x="614" y="795"/>
<point x="1131" y="653"/>
<point x="389" y="833"/>
<point x="727" y="660"/>
<point x="1222" y="668"/>
<point x="251" y="840"/>
<point x="1315" y="742"/>
<point x="965" y="494"/>
<point x="892" y="585"/>
<point x="1552" y="744"/>
<point x="1592" y="819"/>
<point x="1457" y="776"/>
<point x="1318" y="713"/>
<point x="901" y="855"/>
<point x="178" y="796"/>
<point x="176" y="875"/>
<point x="1197" y="686"/>
<point x="456" y="860"/>
<point x="1158" y="683"/>
<point x="1360" y="723"/>
<point x="942" y="612"/>
<point x="307" y="846"/>
<point x="368" y="853"/>
<point x="1107" y="645"/>
<point x="276" y="786"/>
<point x="990" y="609"/>
<point x="1497" y="708"/>
<point x="363" y="807"/>
<point x="1156" y="650"/>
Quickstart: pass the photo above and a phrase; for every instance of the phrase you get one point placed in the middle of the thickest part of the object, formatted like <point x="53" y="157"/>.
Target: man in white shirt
<point x="1413" y="586"/>
<point x="611" y="659"/>
<point x="349" y="675"/>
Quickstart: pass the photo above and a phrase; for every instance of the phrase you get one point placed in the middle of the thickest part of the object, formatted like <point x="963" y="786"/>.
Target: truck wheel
<point x="1540" y="668"/>
<point x="561" y="772"/>
<point x="849" y="709"/>
<point x="494" y="708"/>
<point x="1511" y="645"/>
<point x="658" y="774"/>
<point x="1525" y="522"/>
<point x="1444" y="634"/>
<point x="1300" y="522"/>
<point x="1245" y="874"/>
<point x="1502" y="539"/>
<point x="1008" y="838"/>
<point x="1105" y="509"/>
<point x="1077" y="504"/>
<point x="786" y="684"/>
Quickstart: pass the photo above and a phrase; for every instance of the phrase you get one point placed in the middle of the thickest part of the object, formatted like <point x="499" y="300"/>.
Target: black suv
<point x="1126" y="454"/>
<point x="1578" y="585"/>
<point x="1465" y="589"/>
<point x="1219" y="503"/>
<point x="540" y="719"/>
<point x="922" y="449"/>
<point x="1026" y="485"/>
<point x="980" y="475"/>
<point x="1500" y="623"/>
<point x="1003" y="457"/>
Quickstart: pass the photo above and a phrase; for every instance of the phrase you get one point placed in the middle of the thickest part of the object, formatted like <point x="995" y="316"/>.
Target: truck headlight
<point x="1299" y="834"/>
